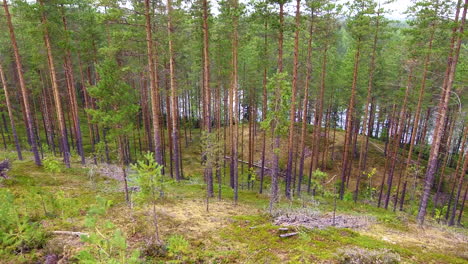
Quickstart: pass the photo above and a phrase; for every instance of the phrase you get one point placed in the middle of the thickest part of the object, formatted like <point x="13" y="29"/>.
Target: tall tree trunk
<point x="446" y="149"/>
<point x="396" y="141"/>
<point x="349" y="117"/>
<point x="416" y="117"/>
<point x="318" y="119"/>
<point x="10" y="114"/>
<point x="451" y="221"/>
<point x="305" y="103"/>
<point x="169" y="126"/>
<point x="365" y="144"/>
<point x="292" y="110"/>
<point x="235" y="101"/>
<point x="264" y="103"/>
<point x="175" y="130"/>
<point x="207" y="96"/>
<point x="88" y="105"/>
<point x="24" y="92"/>
<point x="72" y="94"/>
<point x="445" y="96"/>
<point x="154" y="87"/>
<point x="276" y="140"/>
<point x="459" y="162"/>
<point x="462" y="206"/>
<point x="55" y="89"/>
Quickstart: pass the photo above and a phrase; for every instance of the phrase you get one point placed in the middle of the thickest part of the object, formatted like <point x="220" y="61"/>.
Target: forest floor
<point x="226" y="233"/>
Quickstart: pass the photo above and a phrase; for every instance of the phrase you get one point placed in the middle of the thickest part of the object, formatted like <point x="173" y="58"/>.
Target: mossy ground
<point x="227" y="233"/>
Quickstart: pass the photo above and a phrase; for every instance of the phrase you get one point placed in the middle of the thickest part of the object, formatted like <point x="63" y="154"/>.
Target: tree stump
<point x="4" y="167"/>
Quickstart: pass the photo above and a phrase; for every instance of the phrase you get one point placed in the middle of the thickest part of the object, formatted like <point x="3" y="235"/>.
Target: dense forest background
<point x="288" y="98"/>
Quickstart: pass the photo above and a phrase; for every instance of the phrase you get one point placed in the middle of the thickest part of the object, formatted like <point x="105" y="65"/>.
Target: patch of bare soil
<point x="324" y="220"/>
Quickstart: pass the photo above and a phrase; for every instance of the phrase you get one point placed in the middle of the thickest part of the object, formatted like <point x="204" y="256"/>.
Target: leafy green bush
<point x="348" y="196"/>
<point x="177" y="245"/>
<point x="440" y="213"/>
<point x="52" y="165"/>
<point x="17" y="233"/>
<point x="317" y="181"/>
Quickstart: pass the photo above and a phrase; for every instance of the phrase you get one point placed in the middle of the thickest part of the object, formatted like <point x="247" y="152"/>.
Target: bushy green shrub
<point x="177" y="245"/>
<point x="18" y="234"/>
<point x="317" y="181"/>
<point x="52" y="165"/>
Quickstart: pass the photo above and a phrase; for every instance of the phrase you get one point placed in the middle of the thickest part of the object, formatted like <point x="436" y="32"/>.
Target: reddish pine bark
<point x="24" y="93"/>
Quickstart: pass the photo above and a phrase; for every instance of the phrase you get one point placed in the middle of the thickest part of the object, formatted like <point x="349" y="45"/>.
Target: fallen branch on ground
<point x="289" y="234"/>
<point x="69" y="233"/>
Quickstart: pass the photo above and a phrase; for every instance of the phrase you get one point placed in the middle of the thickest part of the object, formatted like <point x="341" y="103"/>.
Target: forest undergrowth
<point x="78" y="215"/>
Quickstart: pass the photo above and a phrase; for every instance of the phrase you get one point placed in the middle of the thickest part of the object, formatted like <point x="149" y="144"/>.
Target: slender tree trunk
<point x="462" y="207"/>
<point x="55" y="89"/>
<point x="72" y="94"/>
<point x="305" y="102"/>
<point x="460" y="158"/>
<point x="416" y="117"/>
<point x="292" y="110"/>
<point x="390" y="128"/>
<point x="446" y="149"/>
<point x="349" y="117"/>
<point x="24" y="92"/>
<point x="175" y="131"/>
<point x="264" y="103"/>
<point x="365" y="144"/>
<point x="396" y="141"/>
<point x="451" y="221"/>
<point x="445" y="96"/>
<point x="276" y="140"/>
<point x="154" y="87"/>
<point x="207" y="96"/>
<point x="10" y="114"/>
<point x="234" y="101"/>
<point x="87" y="105"/>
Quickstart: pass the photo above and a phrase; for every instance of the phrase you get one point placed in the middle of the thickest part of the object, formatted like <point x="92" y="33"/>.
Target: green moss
<point x="60" y="202"/>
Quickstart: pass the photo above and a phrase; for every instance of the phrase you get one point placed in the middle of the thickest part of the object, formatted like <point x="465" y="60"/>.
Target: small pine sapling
<point x="149" y="179"/>
<point x="317" y="181"/>
<point x="370" y="189"/>
<point x="52" y="165"/>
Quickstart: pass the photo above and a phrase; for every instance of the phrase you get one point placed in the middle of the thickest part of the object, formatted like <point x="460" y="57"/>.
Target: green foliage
<point x="149" y="178"/>
<point x="18" y="234"/>
<point x="177" y="245"/>
<point x="440" y="213"/>
<point x="106" y="243"/>
<point x="251" y="175"/>
<point x="212" y="149"/>
<point x="117" y="101"/>
<point x="317" y="181"/>
<point x="279" y="88"/>
<point x="348" y="196"/>
<point x="52" y="165"/>
<point x="370" y="189"/>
